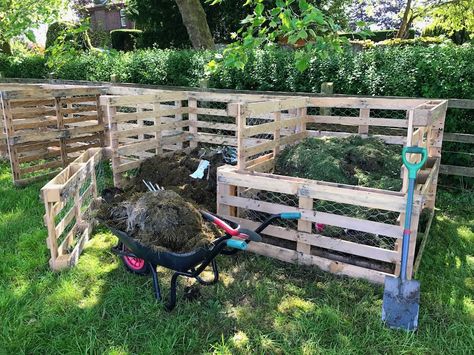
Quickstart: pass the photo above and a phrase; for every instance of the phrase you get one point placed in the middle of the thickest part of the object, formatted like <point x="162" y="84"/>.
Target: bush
<point x="32" y="66"/>
<point x="125" y="40"/>
<point x="81" y="40"/>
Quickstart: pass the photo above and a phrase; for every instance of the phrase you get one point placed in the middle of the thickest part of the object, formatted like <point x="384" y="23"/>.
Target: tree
<point x="413" y="10"/>
<point x="297" y="24"/>
<point x="456" y="18"/>
<point x="194" y="18"/>
<point x="20" y="17"/>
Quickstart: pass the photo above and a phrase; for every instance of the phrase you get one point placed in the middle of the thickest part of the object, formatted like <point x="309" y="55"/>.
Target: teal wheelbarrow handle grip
<point x="414" y="167"/>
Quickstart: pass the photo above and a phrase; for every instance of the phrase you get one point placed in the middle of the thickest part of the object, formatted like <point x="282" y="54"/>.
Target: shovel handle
<point x="414" y="167"/>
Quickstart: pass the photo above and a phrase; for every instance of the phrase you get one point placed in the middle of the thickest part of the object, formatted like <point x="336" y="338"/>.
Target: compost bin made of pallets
<point x="331" y="233"/>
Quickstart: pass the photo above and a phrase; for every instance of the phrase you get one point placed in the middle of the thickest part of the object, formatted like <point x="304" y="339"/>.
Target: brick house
<point x="108" y="15"/>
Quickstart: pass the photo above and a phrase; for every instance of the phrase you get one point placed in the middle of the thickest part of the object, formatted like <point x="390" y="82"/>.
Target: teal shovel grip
<point x="414" y="167"/>
<point x="290" y="215"/>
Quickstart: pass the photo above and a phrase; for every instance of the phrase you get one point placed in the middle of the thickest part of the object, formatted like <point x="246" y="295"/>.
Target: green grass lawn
<point x="259" y="305"/>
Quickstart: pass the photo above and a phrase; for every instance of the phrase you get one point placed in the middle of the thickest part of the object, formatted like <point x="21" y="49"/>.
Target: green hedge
<point x="125" y="39"/>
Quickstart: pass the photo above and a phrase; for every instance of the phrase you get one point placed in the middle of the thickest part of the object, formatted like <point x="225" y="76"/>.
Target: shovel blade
<point x="401" y="303"/>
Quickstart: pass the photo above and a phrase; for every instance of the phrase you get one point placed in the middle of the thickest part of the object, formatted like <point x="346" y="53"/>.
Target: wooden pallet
<point x="243" y="190"/>
<point x="67" y="199"/>
<point x="46" y="128"/>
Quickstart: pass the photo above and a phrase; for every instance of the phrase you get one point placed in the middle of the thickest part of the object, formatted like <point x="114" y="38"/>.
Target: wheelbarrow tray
<point x="175" y="261"/>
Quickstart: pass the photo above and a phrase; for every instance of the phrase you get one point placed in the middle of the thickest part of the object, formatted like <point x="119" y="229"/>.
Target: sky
<point x="40" y="33"/>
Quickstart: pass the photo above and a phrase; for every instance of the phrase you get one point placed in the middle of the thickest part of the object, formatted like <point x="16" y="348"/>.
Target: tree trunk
<point x="403" y="30"/>
<point x="194" y="18"/>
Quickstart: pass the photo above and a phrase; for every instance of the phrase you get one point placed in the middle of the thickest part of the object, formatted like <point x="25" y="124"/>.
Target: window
<point x="123" y="18"/>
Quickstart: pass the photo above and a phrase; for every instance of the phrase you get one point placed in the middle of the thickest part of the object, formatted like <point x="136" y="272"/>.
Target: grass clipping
<point x="354" y="160"/>
<point x="161" y="220"/>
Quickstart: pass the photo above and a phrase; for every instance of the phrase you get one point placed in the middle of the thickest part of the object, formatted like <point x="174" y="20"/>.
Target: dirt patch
<point x="162" y="220"/>
<point x="173" y="173"/>
<point x="354" y="160"/>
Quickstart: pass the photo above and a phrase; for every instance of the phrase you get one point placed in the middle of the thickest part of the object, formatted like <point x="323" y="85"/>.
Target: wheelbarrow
<point x="143" y="260"/>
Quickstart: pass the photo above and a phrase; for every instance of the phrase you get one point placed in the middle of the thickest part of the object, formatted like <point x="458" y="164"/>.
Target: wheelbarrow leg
<point x="172" y="299"/>
<point x="215" y="271"/>
<point x="156" y="283"/>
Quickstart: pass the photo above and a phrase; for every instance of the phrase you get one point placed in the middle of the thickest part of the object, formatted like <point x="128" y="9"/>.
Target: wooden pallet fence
<point x="67" y="199"/>
<point x="142" y="126"/>
<point x="47" y="128"/>
<point x="264" y="128"/>
<point x="367" y="243"/>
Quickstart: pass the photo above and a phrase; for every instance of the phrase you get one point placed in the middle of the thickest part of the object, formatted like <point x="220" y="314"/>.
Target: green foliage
<point x="125" y="39"/>
<point x="458" y="37"/>
<point x="71" y="40"/>
<point x="100" y="38"/>
<point x="162" y="24"/>
<point x="20" y="17"/>
<point x="455" y="17"/>
<point x="303" y="24"/>
<point x="32" y="66"/>
<point x="54" y="31"/>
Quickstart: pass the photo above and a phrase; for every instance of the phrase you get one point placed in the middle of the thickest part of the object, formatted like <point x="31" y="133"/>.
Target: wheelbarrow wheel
<point x="135" y="265"/>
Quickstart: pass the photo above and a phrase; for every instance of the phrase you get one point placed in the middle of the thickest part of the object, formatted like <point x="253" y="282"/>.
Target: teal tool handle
<point x="290" y="215"/>
<point x="237" y="244"/>
<point x="414" y="167"/>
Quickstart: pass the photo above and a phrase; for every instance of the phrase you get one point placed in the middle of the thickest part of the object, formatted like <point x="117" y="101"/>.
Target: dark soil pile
<point x="172" y="173"/>
<point x="356" y="161"/>
<point x="162" y="220"/>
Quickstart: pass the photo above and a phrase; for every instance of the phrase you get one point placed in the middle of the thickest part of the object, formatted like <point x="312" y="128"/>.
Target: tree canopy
<point x="20" y="17"/>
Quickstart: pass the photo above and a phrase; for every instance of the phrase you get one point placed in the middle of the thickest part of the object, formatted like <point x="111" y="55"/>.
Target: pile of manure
<point x="162" y="220"/>
<point x="354" y="160"/>
<point x="173" y="173"/>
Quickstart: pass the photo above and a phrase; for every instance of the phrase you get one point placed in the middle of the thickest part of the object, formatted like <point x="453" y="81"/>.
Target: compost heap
<point x="162" y="220"/>
<point x="354" y="160"/>
<point x="173" y="173"/>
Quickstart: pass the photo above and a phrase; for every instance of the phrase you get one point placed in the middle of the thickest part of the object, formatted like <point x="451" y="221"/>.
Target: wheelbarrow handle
<point x="234" y="232"/>
<point x="414" y="167"/>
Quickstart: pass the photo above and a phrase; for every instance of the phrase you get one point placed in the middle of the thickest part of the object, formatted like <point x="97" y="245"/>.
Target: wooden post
<point x="434" y="143"/>
<point x="301" y="113"/>
<point x="10" y="131"/>
<point x="60" y="126"/>
<point x="304" y="226"/>
<point x="364" y="114"/>
<point x="241" y="118"/>
<point x="140" y="123"/>
<point x="52" y="241"/>
<point x="179" y="117"/>
<point x="224" y="190"/>
<point x="100" y="121"/>
<point x="277" y="133"/>
<point x="114" y="143"/>
<point x="193" y="129"/>
<point x="158" y="132"/>
<point x="327" y="88"/>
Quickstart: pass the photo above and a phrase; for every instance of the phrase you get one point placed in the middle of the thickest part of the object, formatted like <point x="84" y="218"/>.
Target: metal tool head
<point x="401" y="303"/>
<point x="151" y="187"/>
